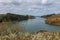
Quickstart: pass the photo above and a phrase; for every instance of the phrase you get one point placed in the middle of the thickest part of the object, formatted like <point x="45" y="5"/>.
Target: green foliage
<point x="13" y="17"/>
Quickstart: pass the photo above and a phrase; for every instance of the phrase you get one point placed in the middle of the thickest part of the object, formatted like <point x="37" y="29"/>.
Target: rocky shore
<point x="53" y="19"/>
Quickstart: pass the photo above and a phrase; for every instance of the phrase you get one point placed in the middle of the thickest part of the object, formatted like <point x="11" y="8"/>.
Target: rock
<point x="42" y="31"/>
<point x="53" y="20"/>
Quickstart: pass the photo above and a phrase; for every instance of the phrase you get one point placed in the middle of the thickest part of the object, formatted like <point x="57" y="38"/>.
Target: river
<point x="37" y="24"/>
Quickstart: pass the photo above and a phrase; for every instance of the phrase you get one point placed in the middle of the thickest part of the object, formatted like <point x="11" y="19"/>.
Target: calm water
<point x="34" y="25"/>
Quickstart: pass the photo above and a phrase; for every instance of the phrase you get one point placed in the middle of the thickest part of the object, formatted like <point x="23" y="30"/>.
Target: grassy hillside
<point x="54" y="20"/>
<point x="12" y="17"/>
<point x="46" y="16"/>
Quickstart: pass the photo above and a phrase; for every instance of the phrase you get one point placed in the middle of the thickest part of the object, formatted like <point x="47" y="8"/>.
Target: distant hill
<point x="12" y="17"/>
<point x="46" y="16"/>
<point x="53" y="20"/>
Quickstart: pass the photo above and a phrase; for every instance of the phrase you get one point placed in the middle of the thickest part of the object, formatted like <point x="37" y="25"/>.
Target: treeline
<point x="12" y="17"/>
<point x="46" y="16"/>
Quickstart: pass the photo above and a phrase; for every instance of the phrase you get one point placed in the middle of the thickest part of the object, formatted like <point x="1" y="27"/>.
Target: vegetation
<point x="12" y="17"/>
<point x="31" y="17"/>
<point x="7" y="27"/>
<point x="17" y="33"/>
<point x="28" y="36"/>
<point x="46" y="16"/>
<point x="54" y="20"/>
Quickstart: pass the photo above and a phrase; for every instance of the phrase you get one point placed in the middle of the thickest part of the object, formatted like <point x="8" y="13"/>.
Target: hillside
<point x="14" y="17"/>
<point x="53" y="20"/>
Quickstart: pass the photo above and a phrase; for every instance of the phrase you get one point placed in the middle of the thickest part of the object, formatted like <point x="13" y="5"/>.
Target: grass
<point x="16" y="32"/>
<point x="7" y="27"/>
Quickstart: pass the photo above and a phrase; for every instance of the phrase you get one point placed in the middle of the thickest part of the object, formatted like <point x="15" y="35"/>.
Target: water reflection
<point x="37" y="24"/>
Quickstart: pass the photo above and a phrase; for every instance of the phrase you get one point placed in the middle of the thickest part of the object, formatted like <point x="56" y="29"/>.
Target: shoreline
<point x="14" y="17"/>
<point x="52" y="19"/>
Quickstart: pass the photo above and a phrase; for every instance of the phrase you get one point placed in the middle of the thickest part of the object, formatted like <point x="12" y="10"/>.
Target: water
<point x="35" y="25"/>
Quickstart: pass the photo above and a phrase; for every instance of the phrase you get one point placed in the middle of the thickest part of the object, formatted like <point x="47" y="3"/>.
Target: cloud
<point x="27" y="1"/>
<point x="27" y="6"/>
<point x="6" y="1"/>
<point x="44" y="1"/>
<point x="15" y="2"/>
<point x="19" y="1"/>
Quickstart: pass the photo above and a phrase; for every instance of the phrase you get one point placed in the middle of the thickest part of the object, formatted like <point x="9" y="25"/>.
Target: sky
<point x="26" y="1"/>
<point x="31" y="7"/>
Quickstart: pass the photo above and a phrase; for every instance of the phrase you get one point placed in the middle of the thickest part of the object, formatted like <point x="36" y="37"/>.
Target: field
<point x="17" y="33"/>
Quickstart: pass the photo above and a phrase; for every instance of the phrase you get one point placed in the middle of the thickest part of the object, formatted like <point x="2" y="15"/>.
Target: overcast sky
<point x="32" y="1"/>
<point x="33" y="7"/>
